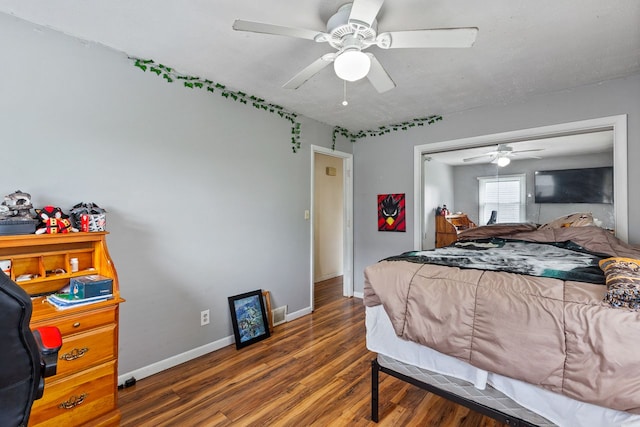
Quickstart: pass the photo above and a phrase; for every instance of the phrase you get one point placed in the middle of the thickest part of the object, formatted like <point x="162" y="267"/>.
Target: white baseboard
<point x="297" y="314"/>
<point x="176" y="360"/>
<point x="358" y="295"/>
<point x="327" y="277"/>
<point x="170" y="362"/>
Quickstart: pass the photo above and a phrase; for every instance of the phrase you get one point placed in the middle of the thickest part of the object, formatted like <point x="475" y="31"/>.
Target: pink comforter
<point x="556" y="334"/>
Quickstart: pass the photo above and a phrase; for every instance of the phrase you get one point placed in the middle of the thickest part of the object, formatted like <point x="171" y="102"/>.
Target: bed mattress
<point x="561" y="410"/>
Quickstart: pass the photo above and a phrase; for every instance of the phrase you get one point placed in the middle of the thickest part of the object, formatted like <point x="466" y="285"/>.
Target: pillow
<point x="622" y="276"/>
<point x="580" y="219"/>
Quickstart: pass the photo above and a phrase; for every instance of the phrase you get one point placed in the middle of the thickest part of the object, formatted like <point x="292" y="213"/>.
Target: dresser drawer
<point x="76" y="399"/>
<point x="81" y="322"/>
<point x="80" y="351"/>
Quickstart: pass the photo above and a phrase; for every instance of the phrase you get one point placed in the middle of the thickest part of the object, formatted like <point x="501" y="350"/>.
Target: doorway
<point x="331" y="221"/>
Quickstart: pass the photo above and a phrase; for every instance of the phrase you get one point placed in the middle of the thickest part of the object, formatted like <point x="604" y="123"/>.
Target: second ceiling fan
<point x="502" y="155"/>
<point x="354" y="28"/>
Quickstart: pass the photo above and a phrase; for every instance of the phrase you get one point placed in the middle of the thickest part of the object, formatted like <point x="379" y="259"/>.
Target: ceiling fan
<point x="502" y="155"/>
<point x="351" y="30"/>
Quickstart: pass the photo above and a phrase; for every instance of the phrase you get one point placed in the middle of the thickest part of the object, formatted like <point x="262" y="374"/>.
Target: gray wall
<point x="204" y="197"/>
<point x="466" y="187"/>
<point x="384" y="164"/>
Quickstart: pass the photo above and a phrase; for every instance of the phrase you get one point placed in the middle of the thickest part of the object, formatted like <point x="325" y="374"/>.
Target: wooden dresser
<point x="84" y="390"/>
<point x="448" y="227"/>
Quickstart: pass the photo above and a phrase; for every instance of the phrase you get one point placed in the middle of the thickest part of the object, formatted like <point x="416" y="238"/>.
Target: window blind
<point x="504" y="195"/>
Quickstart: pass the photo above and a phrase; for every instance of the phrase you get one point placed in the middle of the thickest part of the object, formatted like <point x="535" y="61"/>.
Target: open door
<point x="331" y="218"/>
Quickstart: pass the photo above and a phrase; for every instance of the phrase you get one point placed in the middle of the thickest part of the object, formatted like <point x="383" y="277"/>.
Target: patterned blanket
<point x="559" y="260"/>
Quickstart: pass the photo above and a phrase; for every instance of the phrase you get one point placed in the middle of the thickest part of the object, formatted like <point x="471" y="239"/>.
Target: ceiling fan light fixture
<point x="352" y="65"/>
<point x="503" y="161"/>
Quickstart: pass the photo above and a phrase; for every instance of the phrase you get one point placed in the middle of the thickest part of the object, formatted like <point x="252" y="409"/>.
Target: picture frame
<point x="267" y="301"/>
<point x="391" y="212"/>
<point x="249" y="318"/>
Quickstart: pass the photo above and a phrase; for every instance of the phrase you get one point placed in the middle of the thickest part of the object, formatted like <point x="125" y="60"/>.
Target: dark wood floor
<point x="312" y="371"/>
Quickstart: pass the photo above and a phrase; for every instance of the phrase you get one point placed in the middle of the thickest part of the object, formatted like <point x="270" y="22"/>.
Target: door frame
<point x="616" y="123"/>
<point x="347" y="229"/>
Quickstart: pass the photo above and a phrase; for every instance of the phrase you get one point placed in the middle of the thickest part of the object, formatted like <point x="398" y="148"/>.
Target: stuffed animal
<point x="88" y="217"/>
<point x="17" y="204"/>
<point x="53" y="220"/>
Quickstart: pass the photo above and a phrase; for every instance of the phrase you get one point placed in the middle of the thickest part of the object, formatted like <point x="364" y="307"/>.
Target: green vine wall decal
<point x="353" y="137"/>
<point x="171" y="75"/>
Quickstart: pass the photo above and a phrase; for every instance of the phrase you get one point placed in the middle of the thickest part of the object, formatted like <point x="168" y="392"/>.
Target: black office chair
<point x="26" y="357"/>
<point x="493" y="218"/>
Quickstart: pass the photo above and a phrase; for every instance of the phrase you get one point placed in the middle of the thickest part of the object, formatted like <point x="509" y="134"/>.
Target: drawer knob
<point x="76" y="325"/>
<point x="74" y="354"/>
<point x="73" y="401"/>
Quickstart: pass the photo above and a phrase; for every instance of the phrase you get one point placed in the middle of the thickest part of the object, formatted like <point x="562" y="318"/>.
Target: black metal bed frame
<point x="376" y="368"/>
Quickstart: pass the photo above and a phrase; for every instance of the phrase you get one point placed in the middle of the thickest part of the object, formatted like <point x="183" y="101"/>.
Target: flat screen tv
<point x="589" y="185"/>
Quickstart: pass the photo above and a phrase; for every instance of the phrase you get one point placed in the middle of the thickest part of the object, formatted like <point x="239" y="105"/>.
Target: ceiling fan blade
<point x="378" y="76"/>
<point x="469" y="159"/>
<point x="444" y="37"/>
<point x="364" y="12"/>
<point x="279" y="30"/>
<point x="526" y="151"/>
<point x="309" y="71"/>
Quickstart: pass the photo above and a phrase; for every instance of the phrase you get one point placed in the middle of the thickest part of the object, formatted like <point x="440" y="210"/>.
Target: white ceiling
<point x="523" y="48"/>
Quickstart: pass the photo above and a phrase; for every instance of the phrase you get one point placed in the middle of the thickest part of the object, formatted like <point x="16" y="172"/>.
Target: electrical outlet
<point x="204" y="317"/>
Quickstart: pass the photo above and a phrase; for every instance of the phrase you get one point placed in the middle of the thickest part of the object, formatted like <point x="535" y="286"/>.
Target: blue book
<point x="65" y="300"/>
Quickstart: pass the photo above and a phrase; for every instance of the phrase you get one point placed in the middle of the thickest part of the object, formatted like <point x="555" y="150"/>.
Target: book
<point x="64" y="300"/>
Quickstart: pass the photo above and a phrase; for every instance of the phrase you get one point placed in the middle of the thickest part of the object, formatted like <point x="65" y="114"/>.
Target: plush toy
<point x="17" y="204"/>
<point x="53" y="220"/>
<point x="88" y="217"/>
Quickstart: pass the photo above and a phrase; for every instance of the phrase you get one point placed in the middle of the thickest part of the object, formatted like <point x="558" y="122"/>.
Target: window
<point x="504" y="194"/>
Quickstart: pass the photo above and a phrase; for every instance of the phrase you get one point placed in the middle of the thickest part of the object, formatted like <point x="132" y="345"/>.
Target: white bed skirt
<point x="561" y="410"/>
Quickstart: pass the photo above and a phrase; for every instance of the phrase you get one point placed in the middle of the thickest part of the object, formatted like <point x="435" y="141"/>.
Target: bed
<point x="526" y="324"/>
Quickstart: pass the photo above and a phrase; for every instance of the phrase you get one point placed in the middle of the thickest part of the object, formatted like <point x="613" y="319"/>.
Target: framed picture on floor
<point x="249" y="318"/>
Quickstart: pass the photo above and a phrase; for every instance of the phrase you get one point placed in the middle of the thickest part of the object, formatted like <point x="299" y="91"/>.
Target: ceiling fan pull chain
<point x="344" y="94"/>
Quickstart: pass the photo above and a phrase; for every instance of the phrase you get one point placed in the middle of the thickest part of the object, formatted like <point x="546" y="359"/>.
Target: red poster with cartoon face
<point x="391" y="216"/>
